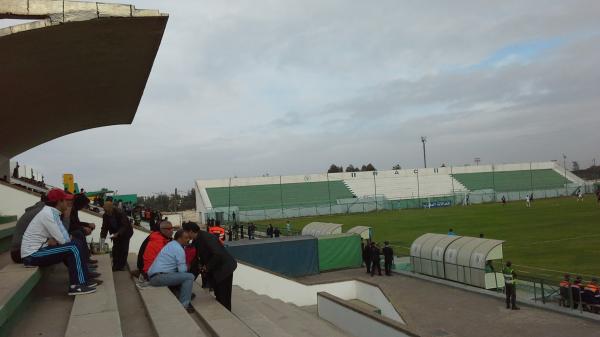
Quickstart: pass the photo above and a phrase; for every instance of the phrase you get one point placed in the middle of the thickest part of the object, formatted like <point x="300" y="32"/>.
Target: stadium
<point x="272" y="255"/>
<point x="261" y="198"/>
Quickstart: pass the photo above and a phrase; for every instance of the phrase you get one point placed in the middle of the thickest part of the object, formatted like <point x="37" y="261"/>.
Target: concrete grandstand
<point x="317" y="194"/>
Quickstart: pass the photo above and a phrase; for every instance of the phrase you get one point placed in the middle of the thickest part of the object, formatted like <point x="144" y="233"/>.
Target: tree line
<point x="351" y="168"/>
<point x="169" y="202"/>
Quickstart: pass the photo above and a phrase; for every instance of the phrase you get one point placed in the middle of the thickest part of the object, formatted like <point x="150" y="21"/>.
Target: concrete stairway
<point x="270" y="317"/>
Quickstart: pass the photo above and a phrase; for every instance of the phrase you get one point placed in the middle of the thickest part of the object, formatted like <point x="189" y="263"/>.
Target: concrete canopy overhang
<point x="83" y="65"/>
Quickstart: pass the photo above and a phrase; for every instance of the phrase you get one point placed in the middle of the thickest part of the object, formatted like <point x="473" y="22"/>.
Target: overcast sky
<point x="242" y="88"/>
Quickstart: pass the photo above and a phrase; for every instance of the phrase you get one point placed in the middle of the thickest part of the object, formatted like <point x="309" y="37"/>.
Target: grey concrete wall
<point x="4" y="167"/>
<point x="354" y="322"/>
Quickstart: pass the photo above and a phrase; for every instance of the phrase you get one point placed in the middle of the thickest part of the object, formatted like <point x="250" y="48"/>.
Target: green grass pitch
<point x="551" y="238"/>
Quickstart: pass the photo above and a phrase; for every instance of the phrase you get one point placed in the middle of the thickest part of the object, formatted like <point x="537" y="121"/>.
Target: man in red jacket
<point x="156" y="242"/>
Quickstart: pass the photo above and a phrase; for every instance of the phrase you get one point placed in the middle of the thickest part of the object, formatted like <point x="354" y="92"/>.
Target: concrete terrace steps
<point x="220" y="321"/>
<point x="97" y="314"/>
<point x="255" y="319"/>
<point x="167" y="315"/>
<point x="17" y="283"/>
<point x="288" y="317"/>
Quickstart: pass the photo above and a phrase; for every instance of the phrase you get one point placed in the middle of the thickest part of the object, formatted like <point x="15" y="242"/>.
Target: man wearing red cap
<point x="47" y="242"/>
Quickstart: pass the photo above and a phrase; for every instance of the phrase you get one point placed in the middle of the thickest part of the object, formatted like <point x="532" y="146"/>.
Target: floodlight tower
<point x="424" y="140"/>
<point x="565" y="167"/>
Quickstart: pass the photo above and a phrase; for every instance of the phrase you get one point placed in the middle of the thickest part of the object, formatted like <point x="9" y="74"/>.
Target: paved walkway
<point x="435" y="310"/>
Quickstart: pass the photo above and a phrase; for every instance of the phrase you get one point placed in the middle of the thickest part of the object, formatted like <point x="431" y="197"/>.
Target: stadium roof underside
<point x="82" y="65"/>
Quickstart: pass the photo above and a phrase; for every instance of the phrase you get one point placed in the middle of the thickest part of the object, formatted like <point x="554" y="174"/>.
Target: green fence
<point x="339" y="251"/>
<point x="371" y="204"/>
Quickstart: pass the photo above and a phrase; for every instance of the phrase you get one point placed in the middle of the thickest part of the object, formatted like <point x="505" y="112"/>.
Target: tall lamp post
<point x="424" y="140"/>
<point x="565" y="166"/>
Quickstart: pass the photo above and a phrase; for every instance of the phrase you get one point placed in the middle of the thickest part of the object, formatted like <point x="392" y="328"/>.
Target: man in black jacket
<point x="115" y="222"/>
<point x="375" y="252"/>
<point x="214" y="262"/>
<point x="388" y="258"/>
<point x="366" y="255"/>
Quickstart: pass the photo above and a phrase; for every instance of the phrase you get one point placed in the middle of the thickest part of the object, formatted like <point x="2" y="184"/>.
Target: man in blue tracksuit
<point x="47" y="242"/>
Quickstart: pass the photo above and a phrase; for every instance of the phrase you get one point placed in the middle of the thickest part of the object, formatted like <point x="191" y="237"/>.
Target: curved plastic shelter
<point x="365" y="232"/>
<point x="420" y="252"/>
<point x="458" y="258"/>
<point x="321" y="228"/>
<point x="466" y="258"/>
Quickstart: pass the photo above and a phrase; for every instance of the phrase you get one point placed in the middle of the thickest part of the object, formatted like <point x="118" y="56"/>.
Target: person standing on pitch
<point x="375" y="260"/>
<point x="510" y="286"/>
<point x="388" y="258"/>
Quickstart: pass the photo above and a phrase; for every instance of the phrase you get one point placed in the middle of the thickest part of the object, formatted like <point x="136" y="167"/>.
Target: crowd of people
<point x="50" y="232"/>
<point x="176" y="260"/>
<point x="577" y="292"/>
<point x="371" y="256"/>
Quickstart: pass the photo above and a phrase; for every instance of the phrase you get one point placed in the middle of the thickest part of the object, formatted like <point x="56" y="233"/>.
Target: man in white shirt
<point x="47" y="242"/>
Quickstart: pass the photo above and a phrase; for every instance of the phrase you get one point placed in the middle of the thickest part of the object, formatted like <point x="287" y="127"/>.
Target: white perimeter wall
<point x="265" y="283"/>
<point x="353" y="322"/>
<point x="14" y="201"/>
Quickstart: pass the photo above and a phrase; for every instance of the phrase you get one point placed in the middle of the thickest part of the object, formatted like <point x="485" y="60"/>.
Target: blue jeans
<point x="185" y="280"/>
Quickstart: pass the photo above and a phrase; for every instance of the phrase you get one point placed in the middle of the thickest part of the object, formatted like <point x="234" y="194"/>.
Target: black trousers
<point x="223" y="291"/>
<point x="511" y="295"/>
<point x="376" y="265"/>
<point x="388" y="267"/>
<point x="368" y="264"/>
<point x="119" y="253"/>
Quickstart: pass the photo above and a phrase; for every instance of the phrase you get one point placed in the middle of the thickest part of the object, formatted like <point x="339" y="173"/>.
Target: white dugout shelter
<point x="458" y="258"/>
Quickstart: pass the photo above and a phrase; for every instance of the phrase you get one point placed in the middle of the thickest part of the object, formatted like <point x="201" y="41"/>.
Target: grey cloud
<point x="289" y="87"/>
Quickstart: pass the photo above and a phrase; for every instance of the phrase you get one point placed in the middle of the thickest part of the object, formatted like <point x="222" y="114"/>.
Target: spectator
<point x="241" y="230"/>
<point x="21" y="226"/>
<point x="388" y="258"/>
<point x="375" y="259"/>
<point x="216" y="266"/>
<point x="451" y="232"/>
<point x="115" y="222"/>
<point x="15" y="173"/>
<point x="565" y="288"/>
<point x="576" y="291"/>
<point x="170" y="269"/>
<point x="46" y="242"/>
<point x="236" y="229"/>
<point x="79" y="229"/>
<point x="156" y="242"/>
<point x="218" y="232"/>
<point x="270" y="231"/>
<point x="230" y="233"/>
<point x="276" y="232"/>
<point x="503" y="200"/>
<point x="250" y="232"/>
<point x="366" y="255"/>
<point x="288" y="228"/>
<point x="591" y="292"/>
